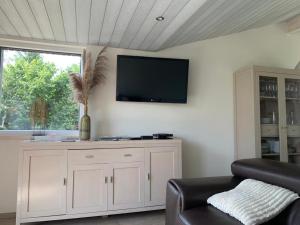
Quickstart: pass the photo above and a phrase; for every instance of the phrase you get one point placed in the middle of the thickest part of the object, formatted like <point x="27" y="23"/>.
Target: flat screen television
<point x="148" y="79"/>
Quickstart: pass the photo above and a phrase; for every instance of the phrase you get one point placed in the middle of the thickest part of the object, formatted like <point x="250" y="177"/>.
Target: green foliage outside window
<point x="28" y="77"/>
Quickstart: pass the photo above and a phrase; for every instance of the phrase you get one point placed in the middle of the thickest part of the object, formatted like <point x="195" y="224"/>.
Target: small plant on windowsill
<point x="83" y="85"/>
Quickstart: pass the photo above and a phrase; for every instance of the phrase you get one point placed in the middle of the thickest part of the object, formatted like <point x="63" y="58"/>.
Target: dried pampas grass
<point x="39" y="113"/>
<point x="82" y="85"/>
<point x="76" y="83"/>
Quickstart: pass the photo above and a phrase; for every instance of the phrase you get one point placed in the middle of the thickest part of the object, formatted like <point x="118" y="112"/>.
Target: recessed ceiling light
<point x="160" y="18"/>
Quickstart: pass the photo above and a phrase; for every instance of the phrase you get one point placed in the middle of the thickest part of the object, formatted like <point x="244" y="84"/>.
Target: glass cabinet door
<point x="292" y="102"/>
<point x="269" y="118"/>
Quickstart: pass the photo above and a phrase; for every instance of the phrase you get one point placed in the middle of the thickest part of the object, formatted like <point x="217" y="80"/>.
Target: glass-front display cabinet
<point x="267" y="114"/>
<point x="269" y="117"/>
<point x="292" y="106"/>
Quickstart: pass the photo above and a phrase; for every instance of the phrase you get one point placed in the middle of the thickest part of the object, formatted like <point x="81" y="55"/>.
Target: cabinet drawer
<point x="293" y="131"/>
<point x="269" y="130"/>
<point x="106" y="155"/>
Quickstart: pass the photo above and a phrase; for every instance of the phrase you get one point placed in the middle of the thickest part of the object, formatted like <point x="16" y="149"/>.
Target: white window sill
<point x="27" y="134"/>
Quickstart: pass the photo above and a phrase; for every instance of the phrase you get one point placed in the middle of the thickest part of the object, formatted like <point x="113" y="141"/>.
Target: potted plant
<point x="82" y="86"/>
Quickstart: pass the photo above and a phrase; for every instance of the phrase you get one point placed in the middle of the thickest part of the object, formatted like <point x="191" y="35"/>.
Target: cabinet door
<point x="162" y="164"/>
<point x="270" y="112"/>
<point x="126" y="187"/>
<point x="44" y="190"/>
<point x="291" y="121"/>
<point x="87" y="188"/>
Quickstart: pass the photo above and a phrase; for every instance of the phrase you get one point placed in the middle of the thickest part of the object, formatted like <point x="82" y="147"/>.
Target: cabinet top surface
<point x="276" y="70"/>
<point x="100" y="144"/>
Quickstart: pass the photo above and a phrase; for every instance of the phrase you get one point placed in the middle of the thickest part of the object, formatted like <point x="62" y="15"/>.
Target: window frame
<point x="25" y="133"/>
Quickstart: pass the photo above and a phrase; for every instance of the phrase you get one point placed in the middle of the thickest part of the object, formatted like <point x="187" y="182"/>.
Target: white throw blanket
<point x="253" y="202"/>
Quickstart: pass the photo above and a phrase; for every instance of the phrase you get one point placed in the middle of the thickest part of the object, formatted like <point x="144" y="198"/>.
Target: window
<point x="35" y="91"/>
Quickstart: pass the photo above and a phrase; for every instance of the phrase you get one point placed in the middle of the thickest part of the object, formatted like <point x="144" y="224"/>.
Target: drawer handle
<point x="127" y="155"/>
<point x="89" y="156"/>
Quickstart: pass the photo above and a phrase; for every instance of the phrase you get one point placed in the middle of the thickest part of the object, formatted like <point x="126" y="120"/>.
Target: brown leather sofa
<point x="186" y="198"/>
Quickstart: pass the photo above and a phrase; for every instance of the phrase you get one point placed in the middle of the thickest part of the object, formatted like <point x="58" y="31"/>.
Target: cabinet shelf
<point x="294" y="154"/>
<point x="268" y="97"/>
<point x="293" y="99"/>
<point x="270" y="154"/>
<point x="274" y="124"/>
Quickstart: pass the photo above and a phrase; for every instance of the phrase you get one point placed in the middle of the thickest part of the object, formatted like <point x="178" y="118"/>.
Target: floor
<point x="144" y="218"/>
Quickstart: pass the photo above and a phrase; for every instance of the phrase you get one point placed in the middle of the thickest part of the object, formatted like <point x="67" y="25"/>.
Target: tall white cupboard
<point x="267" y="113"/>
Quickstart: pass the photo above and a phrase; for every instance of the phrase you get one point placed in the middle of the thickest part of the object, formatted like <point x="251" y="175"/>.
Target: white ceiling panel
<point x="97" y="18"/>
<point x="279" y="13"/>
<point x="83" y="15"/>
<point x="40" y="13"/>
<point x="159" y="8"/>
<point x="229" y="20"/>
<point x="55" y="16"/>
<point x="2" y="31"/>
<point x="112" y="12"/>
<point x="28" y="18"/>
<point x="68" y="10"/>
<point x="258" y="13"/>
<point x="185" y="28"/>
<point x="6" y="25"/>
<point x="143" y="9"/>
<point x="201" y="17"/>
<point x="185" y="14"/>
<point x="172" y="11"/>
<point x="132" y="24"/>
<point x="9" y="9"/>
<point x="126" y="14"/>
<point x="284" y="16"/>
<point x="243" y="16"/>
<point x="208" y="23"/>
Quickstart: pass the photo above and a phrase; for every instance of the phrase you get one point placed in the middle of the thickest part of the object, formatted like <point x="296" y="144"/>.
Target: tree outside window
<point x="29" y="77"/>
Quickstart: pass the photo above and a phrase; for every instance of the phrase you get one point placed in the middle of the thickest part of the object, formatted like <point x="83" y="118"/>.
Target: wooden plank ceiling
<point x="131" y="23"/>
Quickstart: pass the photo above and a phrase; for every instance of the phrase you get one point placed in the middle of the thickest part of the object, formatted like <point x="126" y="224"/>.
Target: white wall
<point x="205" y="124"/>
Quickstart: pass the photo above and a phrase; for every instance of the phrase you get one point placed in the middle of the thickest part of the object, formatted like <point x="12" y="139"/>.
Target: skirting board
<point x="84" y="215"/>
<point x="7" y="215"/>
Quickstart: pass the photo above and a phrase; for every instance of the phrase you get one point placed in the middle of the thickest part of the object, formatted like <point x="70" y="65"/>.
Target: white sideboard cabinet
<point x="64" y="180"/>
<point x="267" y="113"/>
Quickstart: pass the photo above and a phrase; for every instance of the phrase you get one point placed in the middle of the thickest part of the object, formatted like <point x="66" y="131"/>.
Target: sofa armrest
<point x="294" y="213"/>
<point x="195" y="192"/>
<point x="172" y="205"/>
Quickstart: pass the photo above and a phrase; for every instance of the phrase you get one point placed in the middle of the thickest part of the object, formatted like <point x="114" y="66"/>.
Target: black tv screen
<point x="147" y="79"/>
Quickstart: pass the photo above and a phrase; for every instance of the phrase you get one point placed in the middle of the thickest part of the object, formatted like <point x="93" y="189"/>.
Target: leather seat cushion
<point x="207" y="215"/>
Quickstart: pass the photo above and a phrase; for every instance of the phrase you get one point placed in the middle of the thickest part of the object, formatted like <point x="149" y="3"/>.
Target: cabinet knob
<point x="127" y="155"/>
<point x="65" y="181"/>
<point x="111" y="179"/>
<point x="148" y="176"/>
<point x="89" y="156"/>
<point x="106" y="179"/>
